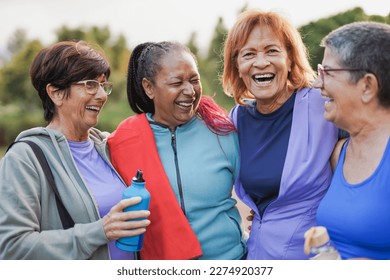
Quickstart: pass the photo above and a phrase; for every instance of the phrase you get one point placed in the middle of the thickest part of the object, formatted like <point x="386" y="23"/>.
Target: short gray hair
<point x="366" y="46"/>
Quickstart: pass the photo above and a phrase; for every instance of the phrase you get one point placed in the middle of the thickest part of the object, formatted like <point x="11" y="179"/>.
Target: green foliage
<point x="313" y="32"/>
<point x="211" y="67"/>
<point x="119" y="55"/>
<point x="113" y="113"/>
<point x="14" y="119"/>
<point x="15" y="85"/>
<point x="192" y="44"/>
<point x="2" y="151"/>
<point x="17" y="41"/>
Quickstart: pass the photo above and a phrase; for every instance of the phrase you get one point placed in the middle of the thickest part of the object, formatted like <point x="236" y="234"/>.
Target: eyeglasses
<point x="322" y="72"/>
<point x="92" y="86"/>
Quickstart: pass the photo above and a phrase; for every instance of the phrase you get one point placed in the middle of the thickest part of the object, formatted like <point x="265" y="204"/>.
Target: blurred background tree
<point x="313" y="32"/>
<point x="20" y="106"/>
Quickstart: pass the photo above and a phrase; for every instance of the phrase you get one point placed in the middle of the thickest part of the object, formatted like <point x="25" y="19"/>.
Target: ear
<point x="148" y="88"/>
<point x="369" y="86"/>
<point x="55" y="94"/>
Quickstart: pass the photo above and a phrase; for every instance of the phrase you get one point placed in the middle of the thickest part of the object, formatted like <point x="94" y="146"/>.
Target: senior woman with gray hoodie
<point x="72" y="81"/>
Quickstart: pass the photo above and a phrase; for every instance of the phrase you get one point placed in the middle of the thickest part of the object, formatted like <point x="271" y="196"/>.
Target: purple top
<point x="103" y="183"/>
<point x="306" y="175"/>
<point x="263" y="144"/>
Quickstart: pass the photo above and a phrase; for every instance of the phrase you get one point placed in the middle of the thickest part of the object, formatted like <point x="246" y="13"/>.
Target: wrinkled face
<point x="79" y="112"/>
<point x="342" y="96"/>
<point x="263" y="65"/>
<point x="176" y="90"/>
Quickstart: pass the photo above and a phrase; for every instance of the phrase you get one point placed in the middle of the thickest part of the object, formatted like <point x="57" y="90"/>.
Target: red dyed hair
<point x="216" y="118"/>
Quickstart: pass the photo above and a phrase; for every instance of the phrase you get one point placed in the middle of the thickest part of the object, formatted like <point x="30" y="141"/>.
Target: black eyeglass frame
<point x="321" y="71"/>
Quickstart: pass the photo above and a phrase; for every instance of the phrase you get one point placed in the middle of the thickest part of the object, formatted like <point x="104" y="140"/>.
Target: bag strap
<point x="66" y="219"/>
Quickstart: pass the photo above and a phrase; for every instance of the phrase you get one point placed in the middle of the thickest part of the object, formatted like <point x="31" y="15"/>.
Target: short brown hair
<point x="61" y="65"/>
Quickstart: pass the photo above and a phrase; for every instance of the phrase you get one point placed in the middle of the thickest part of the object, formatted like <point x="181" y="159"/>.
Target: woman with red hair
<point x="285" y="142"/>
<point x="188" y="149"/>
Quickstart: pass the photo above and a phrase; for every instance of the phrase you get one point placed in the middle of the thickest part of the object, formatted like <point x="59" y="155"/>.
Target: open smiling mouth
<point x="93" y="108"/>
<point x="327" y="98"/>
<point x="185" y="104"/>
<point x="264" y="79"/>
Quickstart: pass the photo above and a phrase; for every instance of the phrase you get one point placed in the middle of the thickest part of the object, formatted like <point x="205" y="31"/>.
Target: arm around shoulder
<point x="336" y="153"/>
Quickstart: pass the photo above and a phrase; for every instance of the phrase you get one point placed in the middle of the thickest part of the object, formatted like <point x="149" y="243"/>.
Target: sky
<point x="157" y="20"/>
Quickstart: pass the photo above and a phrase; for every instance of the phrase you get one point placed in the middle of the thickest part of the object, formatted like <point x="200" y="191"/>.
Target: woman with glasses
<point x="72" y="81"/>
<point x="187" y="147"/>
<point x="355" y="80"/>
<point x="285" y="142"/>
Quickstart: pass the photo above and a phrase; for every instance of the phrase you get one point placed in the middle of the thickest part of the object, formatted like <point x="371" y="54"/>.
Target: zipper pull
<point x="173" y="137"/>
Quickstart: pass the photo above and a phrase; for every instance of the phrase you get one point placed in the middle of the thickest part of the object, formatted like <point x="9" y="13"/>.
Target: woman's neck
<point x="270" y="106"/>
<point x="70" y="134"/>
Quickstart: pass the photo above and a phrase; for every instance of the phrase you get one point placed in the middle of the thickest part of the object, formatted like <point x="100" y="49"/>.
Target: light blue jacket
<point x="305" y="179"/>
<point x="202" y="168"/>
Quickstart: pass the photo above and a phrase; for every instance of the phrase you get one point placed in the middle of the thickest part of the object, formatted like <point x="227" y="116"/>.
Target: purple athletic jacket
<point x="306" y="177"/>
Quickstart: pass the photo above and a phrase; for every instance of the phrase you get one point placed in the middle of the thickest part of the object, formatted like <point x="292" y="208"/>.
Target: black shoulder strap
<point x="66" y="219"/>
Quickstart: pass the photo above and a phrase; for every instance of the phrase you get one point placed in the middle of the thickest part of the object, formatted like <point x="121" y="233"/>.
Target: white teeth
<point x="264" y="76"/>
<point x="327" y="102"/>
<point x="185" y="104"/>
<point x="263" y="79"/>
<point x="263" y="83"/>
<point x="94" y="108"/>
<point x="327" y="98"/>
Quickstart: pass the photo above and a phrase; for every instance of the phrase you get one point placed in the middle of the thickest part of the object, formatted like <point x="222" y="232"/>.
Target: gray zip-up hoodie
<point x="30" y="226"/>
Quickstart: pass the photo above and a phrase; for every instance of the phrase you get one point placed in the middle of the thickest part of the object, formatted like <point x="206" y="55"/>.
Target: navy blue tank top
<point x="263" y="142"/>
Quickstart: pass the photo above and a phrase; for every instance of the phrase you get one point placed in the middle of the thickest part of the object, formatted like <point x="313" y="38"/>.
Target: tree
<point x="15" y="84"/>
<point x="192" y="44"/>
<point x="100" y="35"/>
<point x="67" y="34"/>
<point x="19" y="101"/>
<point x="17" y="41"/>
<point x="315" y="31"/>
<point x="119" y="54"/>
<point x="213" y="65"/>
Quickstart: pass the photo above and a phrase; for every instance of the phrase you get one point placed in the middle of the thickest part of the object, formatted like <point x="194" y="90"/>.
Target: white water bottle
<point x="319" y="246"/>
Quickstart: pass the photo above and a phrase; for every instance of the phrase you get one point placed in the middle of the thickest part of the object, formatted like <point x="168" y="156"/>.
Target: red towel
<point x="169" y="236"/>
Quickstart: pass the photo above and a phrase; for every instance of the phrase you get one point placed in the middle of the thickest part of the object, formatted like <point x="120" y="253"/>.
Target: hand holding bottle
<point x="318" y="245"/>
<point x="118" y="224"/>
<point x="136" y="189"/>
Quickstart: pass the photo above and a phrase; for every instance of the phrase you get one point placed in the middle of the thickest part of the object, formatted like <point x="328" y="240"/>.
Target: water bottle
<point x="137" y="188"/>
<point x="318" y="245"/>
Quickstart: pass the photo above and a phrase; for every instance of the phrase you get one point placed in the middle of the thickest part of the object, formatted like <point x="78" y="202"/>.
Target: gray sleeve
<point x="28" y="232"/>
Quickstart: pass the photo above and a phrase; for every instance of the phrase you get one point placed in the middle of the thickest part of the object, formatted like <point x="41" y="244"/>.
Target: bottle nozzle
<point x="138" y="177"/>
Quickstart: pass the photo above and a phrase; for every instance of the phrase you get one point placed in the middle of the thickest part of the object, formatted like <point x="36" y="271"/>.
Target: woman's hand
<point x="118" y="224"/>
<point x="250" y="218"/>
